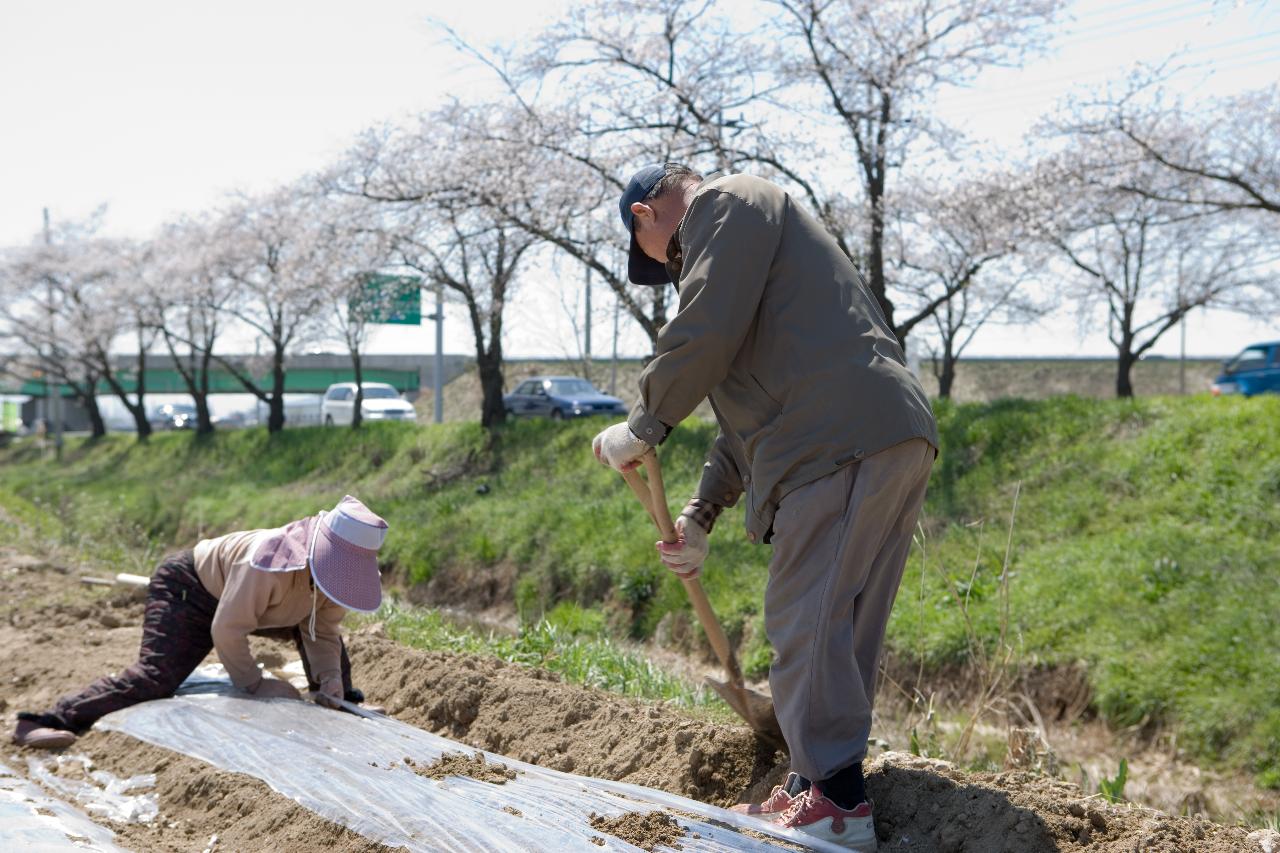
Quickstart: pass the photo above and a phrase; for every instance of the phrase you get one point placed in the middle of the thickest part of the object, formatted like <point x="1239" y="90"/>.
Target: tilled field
<point x="56" y="635"/>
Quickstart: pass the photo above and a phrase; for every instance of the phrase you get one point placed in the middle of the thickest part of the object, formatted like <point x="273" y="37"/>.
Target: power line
<point x="1047" y="84"/>
<point x="1108" y="31"/>
<point x="987" y="102"/>
<point x="998" y="104"/>
<point x="1082" y="38"/>
<point x="1165" y="9"/>
<point x="1120" y="7"/>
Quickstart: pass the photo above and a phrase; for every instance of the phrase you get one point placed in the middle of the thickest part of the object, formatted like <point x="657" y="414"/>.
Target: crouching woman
<point x="305" y="576"/>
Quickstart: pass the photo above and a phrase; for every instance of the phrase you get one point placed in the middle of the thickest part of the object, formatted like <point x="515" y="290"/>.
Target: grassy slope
<point x="1145" y="543"/>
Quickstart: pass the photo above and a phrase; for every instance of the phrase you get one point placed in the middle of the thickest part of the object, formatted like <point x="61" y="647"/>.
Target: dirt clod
<point x="645" y="831"/>
<point x="473" y="766"/>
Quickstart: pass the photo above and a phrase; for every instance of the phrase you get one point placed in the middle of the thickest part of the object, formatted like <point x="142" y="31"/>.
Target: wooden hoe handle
<point x="653" y="497"/>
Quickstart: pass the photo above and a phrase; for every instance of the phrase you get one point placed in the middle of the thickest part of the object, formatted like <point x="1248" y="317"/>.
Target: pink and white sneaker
<point x="776" y="804"/>
<point x="813" y="814"/>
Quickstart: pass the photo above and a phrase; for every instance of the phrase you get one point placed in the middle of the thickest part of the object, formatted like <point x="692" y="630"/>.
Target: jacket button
<point x="751" y="536"/>
<point x="728" y="496"/>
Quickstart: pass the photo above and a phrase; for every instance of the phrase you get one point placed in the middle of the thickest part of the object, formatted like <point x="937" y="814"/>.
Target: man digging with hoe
<point x="822" y="426"/>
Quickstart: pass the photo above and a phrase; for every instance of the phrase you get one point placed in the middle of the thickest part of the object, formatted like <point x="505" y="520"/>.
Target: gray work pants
<point x="840" y="544"/>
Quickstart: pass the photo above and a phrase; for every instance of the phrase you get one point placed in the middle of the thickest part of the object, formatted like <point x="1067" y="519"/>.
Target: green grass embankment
<point x="1145" y="544"/>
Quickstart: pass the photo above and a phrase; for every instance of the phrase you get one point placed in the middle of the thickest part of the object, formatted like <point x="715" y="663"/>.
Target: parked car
<point x="1256" y="370"/>
<point x="231" y="420"/>
<point x="173" y="416"/>
<point x="559" y="397"/>
<point x="381" y="402"/>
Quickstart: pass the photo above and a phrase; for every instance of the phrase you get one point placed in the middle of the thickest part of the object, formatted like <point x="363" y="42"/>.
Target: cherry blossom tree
<point x="1144" y="264"/>
<point x="351" y="249"/>
<point x="39" y="335"/>
<point x="875" y="69"/>
<point x="68" y="300"/>
<point x="121" y="295"/>
<point x="1220" y="155"/>
<point x="265" y="248"/>
<point x="188" y="291"/>
<point x="439" y="194"/>
<point x="959" y="265"/>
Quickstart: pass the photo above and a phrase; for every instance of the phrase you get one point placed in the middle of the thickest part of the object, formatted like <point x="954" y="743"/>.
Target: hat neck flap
<point x="288" y="548"/>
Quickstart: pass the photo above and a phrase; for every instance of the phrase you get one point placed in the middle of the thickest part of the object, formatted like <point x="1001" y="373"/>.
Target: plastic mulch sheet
<point x="351" y="770"/>
<point x="31" y="820"/>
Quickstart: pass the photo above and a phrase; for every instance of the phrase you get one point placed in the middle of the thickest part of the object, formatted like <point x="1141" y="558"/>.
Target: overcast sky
<point x="156" y="108"/>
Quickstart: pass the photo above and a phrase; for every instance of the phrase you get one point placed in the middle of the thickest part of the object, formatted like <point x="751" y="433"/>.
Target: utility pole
<point x="1182" y="357"/>
<point x="53" y="397"/>
<point x="587" y="334"/>
<point x="439" y="365"/>
<point x="613" y="366"/>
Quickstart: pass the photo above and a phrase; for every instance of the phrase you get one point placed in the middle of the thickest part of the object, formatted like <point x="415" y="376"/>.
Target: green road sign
<point x="390" y="299"/>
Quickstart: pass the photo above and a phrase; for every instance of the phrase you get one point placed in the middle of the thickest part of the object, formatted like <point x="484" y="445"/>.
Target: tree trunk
<point x="356" y="417"/>
<point x="875" y="172"/>
<point x="204" y="422"/>
<point x="88" y="397"/>
<point x="200" y="394"/>
<point x="275" y="416"/>
<point x="97" y="426"/>
<point x="492" y="410"/>
<point x="196" y="377"/>
<point x="140" y="422"/>
<point x="137" y="410"/>
<point x="1124" y="366"/>
<point x="875" y="262"/>
<point x="140" y="417"/>
<point x="947" y="376"/>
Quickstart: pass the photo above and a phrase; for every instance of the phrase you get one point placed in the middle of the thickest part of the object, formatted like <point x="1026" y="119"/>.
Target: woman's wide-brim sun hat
<point x="341" y="547"/>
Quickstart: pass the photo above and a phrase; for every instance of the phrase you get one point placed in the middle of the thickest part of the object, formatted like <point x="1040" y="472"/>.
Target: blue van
<point x="1256" y="370"/>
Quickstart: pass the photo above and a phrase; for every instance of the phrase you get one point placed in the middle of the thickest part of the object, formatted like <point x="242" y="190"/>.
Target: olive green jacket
<point x="779" y="329"/>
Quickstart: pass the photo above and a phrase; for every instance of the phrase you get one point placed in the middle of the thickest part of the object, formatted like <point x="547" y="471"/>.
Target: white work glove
<point x="619" y="448"/>
<point x="686" y="555"/>
<point x="274" y="688"/>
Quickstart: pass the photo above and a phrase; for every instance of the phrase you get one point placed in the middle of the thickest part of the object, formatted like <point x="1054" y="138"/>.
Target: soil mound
<point x="473" y="766"/>
<point x="531" y="715"/>
<point x="928" y="806"/>
<point x="645" y="831"/>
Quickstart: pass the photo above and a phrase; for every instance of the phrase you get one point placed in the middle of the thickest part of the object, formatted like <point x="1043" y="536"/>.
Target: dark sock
<point x="846" y="788"/>
<point x="48" y="721"/>
<point x="797" y="785"/>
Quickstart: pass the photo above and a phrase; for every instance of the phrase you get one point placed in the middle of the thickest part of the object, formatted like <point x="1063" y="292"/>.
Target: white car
<point x="381" y="403"/>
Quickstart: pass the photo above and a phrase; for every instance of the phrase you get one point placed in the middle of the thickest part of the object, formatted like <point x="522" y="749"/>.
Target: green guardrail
<point x="297" y="381"/>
